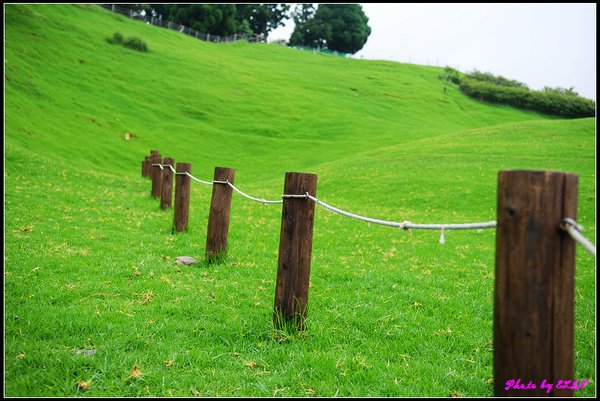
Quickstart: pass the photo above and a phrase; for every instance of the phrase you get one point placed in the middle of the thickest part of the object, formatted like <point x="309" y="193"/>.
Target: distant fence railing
<point x="175" y="26"/>
<point x="321" y="51"/>
<point x="534" y="290"/>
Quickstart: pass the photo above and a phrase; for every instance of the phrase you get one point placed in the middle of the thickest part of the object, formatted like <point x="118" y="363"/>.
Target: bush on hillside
<point x="130" y="42"/>
<point x="496" y="79"/>
<point x="451" y="75"/>
<point x="555" y="101"/>
<point x="136" y="44"/>
<point x="117" y="39"/>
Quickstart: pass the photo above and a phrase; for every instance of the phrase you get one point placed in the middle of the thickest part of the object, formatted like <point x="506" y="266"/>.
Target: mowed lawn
<point x="94" y="303"/>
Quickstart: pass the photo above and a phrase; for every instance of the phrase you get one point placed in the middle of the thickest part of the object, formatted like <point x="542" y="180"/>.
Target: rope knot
<point x="570" y="222"/>
<point x="405" y="225"/>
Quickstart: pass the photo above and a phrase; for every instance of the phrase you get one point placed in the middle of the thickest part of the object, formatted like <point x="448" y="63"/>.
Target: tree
<point x="215" y="19"/>
<point x="340" y="27"/>
<point x="225" y="19"/>
<point x="302" y="15"/>
<point x="262" y="18"/>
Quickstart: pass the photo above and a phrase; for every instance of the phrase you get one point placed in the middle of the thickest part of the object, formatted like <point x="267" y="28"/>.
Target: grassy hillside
<point x="89" y="256"/>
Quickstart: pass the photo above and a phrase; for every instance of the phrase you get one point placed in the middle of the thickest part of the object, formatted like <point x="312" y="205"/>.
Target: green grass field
<point x="91" y="287"/>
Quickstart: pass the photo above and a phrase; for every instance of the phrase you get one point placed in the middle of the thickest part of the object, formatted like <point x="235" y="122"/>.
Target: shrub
<point x="496" y="79"/>
<point x="117" y="39"/>
<point x="555" y="101"/>
<point x="136" y="44"/>
<point x="451" y="75"/>
<point x="130" y="42"/>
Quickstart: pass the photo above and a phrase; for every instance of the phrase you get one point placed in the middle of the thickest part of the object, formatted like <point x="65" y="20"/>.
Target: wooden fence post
<point x="295" y="249"/>
<point x="156" y="175"/>
<point x="218" y="218"/>
<point x="149" y="163"/>
<point x="182" y="197"/>
<point x="166" y="191"/>
<point x="146" y="165"/>
<point x="535" y="282"/>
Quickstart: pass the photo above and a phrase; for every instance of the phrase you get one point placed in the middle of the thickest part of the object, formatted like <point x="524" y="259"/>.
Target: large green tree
<point x="340" y="27"/>
<point x="225" y="19"/>
<point x="262" y="18"/>
<point x="216" y="19"/>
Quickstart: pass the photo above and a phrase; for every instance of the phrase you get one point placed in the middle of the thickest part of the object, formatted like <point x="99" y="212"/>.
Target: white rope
<point x="404" y="225"/>
<point x="574" y="230"/>
<point x="171" y="167"/>
<point x="197" y="179"/>
<point x="259" y="200"/>
<point x="569" y="225"/>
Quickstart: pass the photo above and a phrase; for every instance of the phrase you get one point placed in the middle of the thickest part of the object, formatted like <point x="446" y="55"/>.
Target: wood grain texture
<point x="182" y="197"/>
<point x="295" y="250"/>
<point x="218" y="218"/>
<point x="166" y="189"/>
<point x="534" y="287"/>
<point x="156" y="176"/>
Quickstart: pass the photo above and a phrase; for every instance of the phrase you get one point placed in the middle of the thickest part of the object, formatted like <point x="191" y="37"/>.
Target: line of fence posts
<point x="534" y="267"/>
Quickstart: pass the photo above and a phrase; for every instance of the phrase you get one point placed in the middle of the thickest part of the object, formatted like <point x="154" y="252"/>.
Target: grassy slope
<point x="391" y="314"/>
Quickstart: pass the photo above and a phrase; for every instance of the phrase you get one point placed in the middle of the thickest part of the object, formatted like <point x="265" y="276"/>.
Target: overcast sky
<point x="539" y="44"/>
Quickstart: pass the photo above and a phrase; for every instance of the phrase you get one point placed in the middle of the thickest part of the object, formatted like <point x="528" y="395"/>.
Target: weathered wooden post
<point x="149" y="163"/>
<point x="166" y="191"/>
<point x="182" y="197"/>
<point x="295" y="249"/>
<point x="535" y="282"/>
<point x="146" y="165"/>
<point x="218" y="218"/>
<point x="156" y="175"/>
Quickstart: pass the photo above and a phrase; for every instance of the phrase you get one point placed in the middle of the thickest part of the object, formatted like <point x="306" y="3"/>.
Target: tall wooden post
<point x="182" y="197"/>
<point x="295" y="249"/>
<point x="156" y="175"/>
<point x="218" y="218"/>
<point x="535" y="281"/>
<point x="166" y="190"/>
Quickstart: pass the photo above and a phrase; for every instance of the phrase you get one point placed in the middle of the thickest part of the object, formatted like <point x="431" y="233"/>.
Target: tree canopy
<point x="223" y="19"/>
<point x="340" y="27"/>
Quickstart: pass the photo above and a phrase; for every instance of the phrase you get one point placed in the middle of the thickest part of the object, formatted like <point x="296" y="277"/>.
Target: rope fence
<point x="568" y="225"/>
<point x="405" y="225"/>
<point x="534" y="289"/>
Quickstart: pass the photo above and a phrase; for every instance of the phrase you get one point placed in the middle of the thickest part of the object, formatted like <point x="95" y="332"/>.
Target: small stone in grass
<point x="85" y="352"/>
<point x="185" y="260"/>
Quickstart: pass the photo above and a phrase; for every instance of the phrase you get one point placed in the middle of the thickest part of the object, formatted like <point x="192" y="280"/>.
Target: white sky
<point x="538" y="44"/>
